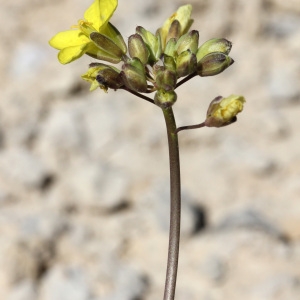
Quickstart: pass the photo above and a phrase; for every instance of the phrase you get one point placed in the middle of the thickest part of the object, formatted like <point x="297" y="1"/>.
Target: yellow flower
<point x="183" y="16"/>
<point x="223" y="111"/>
<point x="76" y="42"/>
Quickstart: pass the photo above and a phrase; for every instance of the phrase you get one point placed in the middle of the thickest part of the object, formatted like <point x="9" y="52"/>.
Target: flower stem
<point x="174" y="234"/>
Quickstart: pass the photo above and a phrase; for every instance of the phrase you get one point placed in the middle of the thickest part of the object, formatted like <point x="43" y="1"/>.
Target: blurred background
<point x="84" y="182"/>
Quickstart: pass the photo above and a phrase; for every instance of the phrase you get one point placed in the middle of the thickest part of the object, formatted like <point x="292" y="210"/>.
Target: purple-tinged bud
<point x="213" y="64"/>
<point x="186" y="63"/>
<point x="137" y="48"/>
<point x="214" y="45"/>
<point x="189" y="41"/>
<point x="174" y="31"/>
<point x="165" y="99"/>
<point x="170" y="49"/>
<point x="166" y="80"/>
<point x="108" y="50"/>
<point x="134" y="76"/>
<point x="169" y="63"/>
<point x="152" y="42"/>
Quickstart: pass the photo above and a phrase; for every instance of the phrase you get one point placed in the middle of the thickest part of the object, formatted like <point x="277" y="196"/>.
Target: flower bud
<point x="223" y="111"/>
<point x="214" y="45"/>
<point x="152" y="42"/>
<point x="213" y="64"/>
<point x="169" y="63"/>
<point x="165" y="99"/>
<point x="170" y="49"/>
<point x="189" y="41"/>
<point x="113" y="33"/>
<point x="174" y="31"/>
<point x="186" y="63"/>
<point x="137" y="48"/>
<point x="133" y="75"/>
<point x="166" y="80"/>
<point x="108" y="50"/>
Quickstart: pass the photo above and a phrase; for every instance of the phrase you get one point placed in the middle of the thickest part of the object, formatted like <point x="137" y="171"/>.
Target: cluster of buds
<point x="155" y="62"/>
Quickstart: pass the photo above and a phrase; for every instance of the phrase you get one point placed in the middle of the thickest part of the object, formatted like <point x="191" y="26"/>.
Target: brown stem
<point x="190" y="127"/>
<point x="175" y="210"/>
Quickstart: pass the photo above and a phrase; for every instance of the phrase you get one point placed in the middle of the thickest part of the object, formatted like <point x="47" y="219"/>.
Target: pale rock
<point x="22" y="167"/>
<point x="65" y="283"/>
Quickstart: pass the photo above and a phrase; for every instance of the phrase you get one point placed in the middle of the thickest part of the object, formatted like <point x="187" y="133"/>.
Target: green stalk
<point x="174" y="234"/>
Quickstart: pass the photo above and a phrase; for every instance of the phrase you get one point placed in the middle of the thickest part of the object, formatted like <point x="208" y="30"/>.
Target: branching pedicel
<point x="153" y="63"/>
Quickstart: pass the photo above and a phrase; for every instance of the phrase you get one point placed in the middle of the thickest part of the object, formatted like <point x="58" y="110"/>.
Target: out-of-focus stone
<point x="155" y="206"/>
<point x="65" y="283"/>
<point x="250" y="219"/>
<point x="96" y="185"/>
<point x="22" y="167"/>
<point x="25" y="290"/>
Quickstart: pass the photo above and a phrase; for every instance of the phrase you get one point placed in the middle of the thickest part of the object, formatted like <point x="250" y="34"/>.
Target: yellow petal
<point x="68" y="38"/>
<point x="70" y="54"/>
<point x="100" y="12"/>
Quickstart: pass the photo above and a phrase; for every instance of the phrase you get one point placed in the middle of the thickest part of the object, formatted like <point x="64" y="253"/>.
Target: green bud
<point x="214" y="45"/>
<point x="133" y="75"/>
<point x="109" y="51"/>
<point x="152" y="42"/>
<point x="166" y="80"/>
<point x="169" y="63"/>
<point x="186" y="63"/>
<point x="165" y="99"/>
<point x="188" y="41"/>
<point x="213" y="64"/>
<point x="174" y="31"/>
<point x="113" y="33"/>
<point x="137" y="48"/>
<point x="171" y="48"/>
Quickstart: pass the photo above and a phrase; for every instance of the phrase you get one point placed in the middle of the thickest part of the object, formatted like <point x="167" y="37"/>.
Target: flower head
<point x="223" y="111"/>
<point x="77" y="41"/>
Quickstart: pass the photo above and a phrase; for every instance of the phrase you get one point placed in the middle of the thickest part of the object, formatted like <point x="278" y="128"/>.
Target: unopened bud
<point x="114" y="34"/>
<point x="213" y="64"/>
<point x="137" y="48"/>
<point x="153" y="43"/>
<point x="174" y="31"/>
<point x="189" y="41"/>
<point x="186" y="63"/>
<point x="133" y="75"/>
<point x="223" y="111"/>
<point x="166" y="80"/>
<point x="169" y="63"/>
<point x="214" y="45"/>
<point x="108" y="50"/>
<point x="165" y="99"/>
<point x="170" y="49"/>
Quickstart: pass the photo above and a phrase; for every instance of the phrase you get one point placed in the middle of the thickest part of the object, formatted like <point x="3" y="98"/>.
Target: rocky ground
<point x="84" y="176"/>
